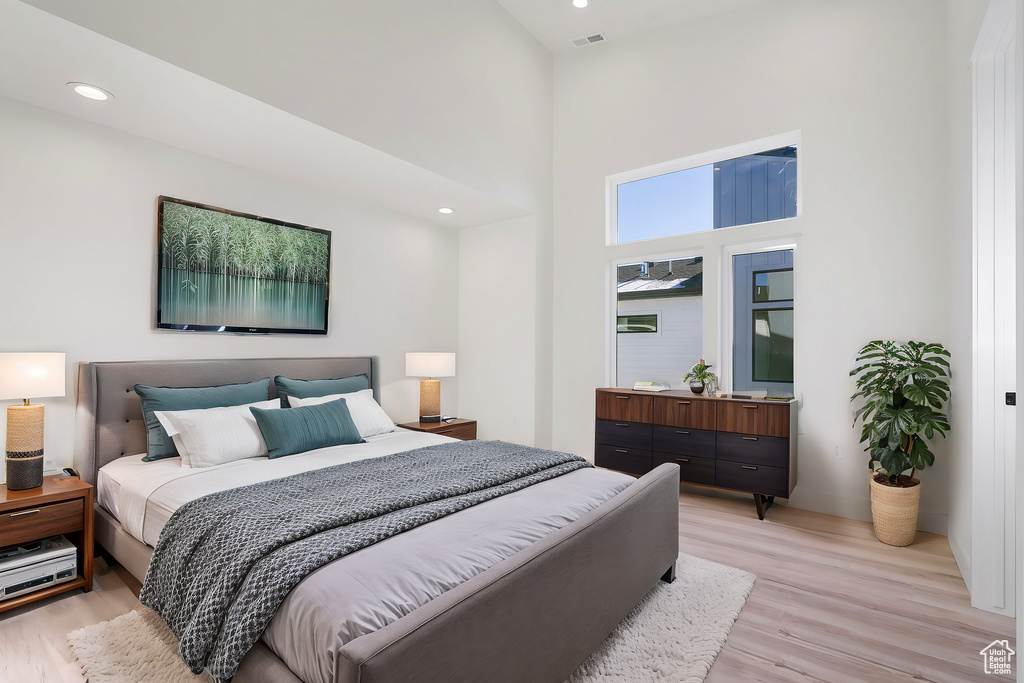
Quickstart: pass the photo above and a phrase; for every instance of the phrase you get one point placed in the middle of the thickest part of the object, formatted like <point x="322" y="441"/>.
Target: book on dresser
<point x="733" y="442"/>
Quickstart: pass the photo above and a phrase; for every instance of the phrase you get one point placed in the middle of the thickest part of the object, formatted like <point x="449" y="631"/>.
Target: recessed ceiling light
<point x="90" y="91"/>
<point x="445" y="209"/>
<point x="580" y="3"/>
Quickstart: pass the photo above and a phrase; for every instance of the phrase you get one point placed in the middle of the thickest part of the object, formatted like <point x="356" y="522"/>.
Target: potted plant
<point x="904" y="388"/>
<point x="699" y="377"/>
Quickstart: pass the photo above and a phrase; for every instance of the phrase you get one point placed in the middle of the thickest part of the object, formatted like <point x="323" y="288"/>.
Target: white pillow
<point x="369" y="417"/>
<point x="214" y="436"/>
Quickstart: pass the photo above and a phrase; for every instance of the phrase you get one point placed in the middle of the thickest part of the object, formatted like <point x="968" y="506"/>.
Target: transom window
<point x="706" y="192"/>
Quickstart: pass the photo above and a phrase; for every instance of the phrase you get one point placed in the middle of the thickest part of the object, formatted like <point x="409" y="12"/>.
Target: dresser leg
<point x="762" y="503"/>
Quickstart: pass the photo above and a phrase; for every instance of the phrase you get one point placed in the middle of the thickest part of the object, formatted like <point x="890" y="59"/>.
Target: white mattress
<point x="366" y="590"/>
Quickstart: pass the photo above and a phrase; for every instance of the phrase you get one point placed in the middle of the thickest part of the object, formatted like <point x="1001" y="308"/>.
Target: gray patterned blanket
<point x="225" y="562"/>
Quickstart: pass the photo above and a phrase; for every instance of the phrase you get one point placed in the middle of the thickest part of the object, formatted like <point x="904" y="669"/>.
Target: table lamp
<point x="24" y="376"/>
<point x="430" y="365"/>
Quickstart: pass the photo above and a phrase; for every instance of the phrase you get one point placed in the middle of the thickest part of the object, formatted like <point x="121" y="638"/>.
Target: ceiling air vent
<point x="588" y="40"/>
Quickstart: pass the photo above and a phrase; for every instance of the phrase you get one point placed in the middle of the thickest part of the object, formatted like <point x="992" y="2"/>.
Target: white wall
<point x="497" y="326"/>
<point x="458" y="87"/>
<point x="78" y="259"/>
<point x="662" y="356"/>
<point x="864" y="82"/>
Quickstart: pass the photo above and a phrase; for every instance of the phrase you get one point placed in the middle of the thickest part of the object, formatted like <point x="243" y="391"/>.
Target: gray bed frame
<point x="532" y="617"/>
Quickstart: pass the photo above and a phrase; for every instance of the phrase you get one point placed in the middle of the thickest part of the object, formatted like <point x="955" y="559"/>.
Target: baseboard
<point x="963" y="559"/>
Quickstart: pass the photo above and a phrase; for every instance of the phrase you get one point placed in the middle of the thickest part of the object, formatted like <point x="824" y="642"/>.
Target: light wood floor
<point x="830" y="604"/>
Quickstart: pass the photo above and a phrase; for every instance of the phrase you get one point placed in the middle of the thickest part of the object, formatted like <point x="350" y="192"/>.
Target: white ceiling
<point x="40" y="52"/>
<point x="556" y="23"/>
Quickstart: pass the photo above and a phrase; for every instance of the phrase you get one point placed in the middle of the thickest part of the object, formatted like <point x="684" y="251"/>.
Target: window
<point x="633" y="324"/>
<point x="659" y="320"/>
<point x="706" y="192"/>
<point x="763" y="322"/>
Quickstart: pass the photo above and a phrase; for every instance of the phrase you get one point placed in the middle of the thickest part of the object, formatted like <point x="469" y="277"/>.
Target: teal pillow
<point x="158" y="444"/>
<point x="306" y="428"/>
<point x="308" y="388"/>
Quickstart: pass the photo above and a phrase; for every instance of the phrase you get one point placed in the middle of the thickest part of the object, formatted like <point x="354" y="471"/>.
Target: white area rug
<point x="674" y="634"/>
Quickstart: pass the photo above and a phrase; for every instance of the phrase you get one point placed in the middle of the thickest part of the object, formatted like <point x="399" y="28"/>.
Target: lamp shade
<point x="31" y="375"/>
<point x="430" y="364"/>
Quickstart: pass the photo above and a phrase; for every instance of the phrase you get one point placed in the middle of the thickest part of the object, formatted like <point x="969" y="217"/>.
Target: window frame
<point x="726" y="310"/>
<point x="612" y="182"/>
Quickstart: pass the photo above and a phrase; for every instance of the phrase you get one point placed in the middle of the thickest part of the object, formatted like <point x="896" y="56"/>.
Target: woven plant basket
<point x="894" y="511"/>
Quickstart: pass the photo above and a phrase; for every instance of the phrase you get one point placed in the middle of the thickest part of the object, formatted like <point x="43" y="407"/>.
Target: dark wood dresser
<point x="731" y="442"/>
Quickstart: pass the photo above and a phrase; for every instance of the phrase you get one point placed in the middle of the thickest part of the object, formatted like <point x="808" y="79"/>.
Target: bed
<point x="533" y="615"/>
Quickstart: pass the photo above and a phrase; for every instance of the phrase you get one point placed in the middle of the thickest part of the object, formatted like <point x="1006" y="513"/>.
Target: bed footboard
<point x="537" y="615"/>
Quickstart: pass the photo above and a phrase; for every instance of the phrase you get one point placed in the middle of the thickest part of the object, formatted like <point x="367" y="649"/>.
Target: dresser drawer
<point x="693" y="470"/>
<point x="759" y="419"/>
<point x="40" y="521"/>
<point x="624" y="434"/>
<point x="769" y="481"/>
<point x="625" y="407"/>
<point x="693" y="413"/>
<point x="466" y="432"/>
<point x="697" y="442"/>
<point x="632" y="460"/>
<point x="753" y="450"/>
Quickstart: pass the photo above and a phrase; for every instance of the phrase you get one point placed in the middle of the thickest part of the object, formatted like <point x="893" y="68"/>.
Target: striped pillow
<point x="306" y="428"/>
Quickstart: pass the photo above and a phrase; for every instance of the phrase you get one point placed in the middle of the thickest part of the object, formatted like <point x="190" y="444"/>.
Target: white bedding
<point x="144" y="495"/>
<point x="366" y="590"/>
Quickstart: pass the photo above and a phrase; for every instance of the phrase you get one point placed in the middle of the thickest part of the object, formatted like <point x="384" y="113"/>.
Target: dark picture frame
<point x="226" y="271"/>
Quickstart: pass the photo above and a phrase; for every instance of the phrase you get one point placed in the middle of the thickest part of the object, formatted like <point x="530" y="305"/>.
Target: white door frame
<point x="993" y="506"/>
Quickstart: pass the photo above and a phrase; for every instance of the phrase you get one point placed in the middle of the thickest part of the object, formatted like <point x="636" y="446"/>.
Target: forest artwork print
<point x="224" y="271"/>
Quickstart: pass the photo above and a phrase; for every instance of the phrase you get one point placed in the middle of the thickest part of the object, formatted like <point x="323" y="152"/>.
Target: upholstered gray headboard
<point x="109" y="424"/>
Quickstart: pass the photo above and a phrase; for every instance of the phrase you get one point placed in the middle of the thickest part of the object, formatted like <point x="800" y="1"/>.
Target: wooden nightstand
<point x="59" y="506"/>
<point x="457" y="428"/>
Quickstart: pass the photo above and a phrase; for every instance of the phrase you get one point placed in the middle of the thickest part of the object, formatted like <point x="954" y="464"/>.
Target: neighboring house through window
<point x="666" y="296"/>
<point x="659" y="313"/>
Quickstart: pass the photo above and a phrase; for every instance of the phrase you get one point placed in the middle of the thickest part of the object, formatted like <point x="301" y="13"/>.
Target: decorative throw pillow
<point x="306" y="428"/>
<point x="305" y="388"/>
<point x="213" y="436"/>
<point x="369" y="418"/>
<point x="158" y="443"/>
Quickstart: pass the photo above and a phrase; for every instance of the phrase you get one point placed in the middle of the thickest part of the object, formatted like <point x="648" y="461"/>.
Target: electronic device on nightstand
<point x="33" y="566"/>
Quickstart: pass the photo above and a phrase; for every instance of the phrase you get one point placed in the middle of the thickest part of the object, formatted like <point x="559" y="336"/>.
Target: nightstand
<point x="62" y="505"/>
<point x="457" y="428"/>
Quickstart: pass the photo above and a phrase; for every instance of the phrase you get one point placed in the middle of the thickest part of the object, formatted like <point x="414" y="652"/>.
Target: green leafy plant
<point x="700" y="373"/>
<point x="904" y="387"/>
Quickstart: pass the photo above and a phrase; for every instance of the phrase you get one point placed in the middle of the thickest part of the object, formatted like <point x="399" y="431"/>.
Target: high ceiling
<point x="556" y="23"/>
<point x="307" y="130"/>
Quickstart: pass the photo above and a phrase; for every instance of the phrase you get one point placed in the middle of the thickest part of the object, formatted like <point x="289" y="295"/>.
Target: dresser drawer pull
<point x="24" y="512"/>
<point x="748" y="467"/>
<point x="750" y="407"/>
<point x="750" y="438"/>
<point x="684" y="403"/>
<point x="682" y="460"/>
<point x="445" y="431"/>
<point x="679" y="431"/>
<point x="622" y="424"/>
<point x="621" y="450"/>
<point x="622" y="398"/>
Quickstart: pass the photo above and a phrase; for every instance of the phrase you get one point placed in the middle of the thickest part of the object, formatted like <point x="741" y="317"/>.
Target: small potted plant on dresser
<point x="700" y="377"/>
<point x="904" y="388"/>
